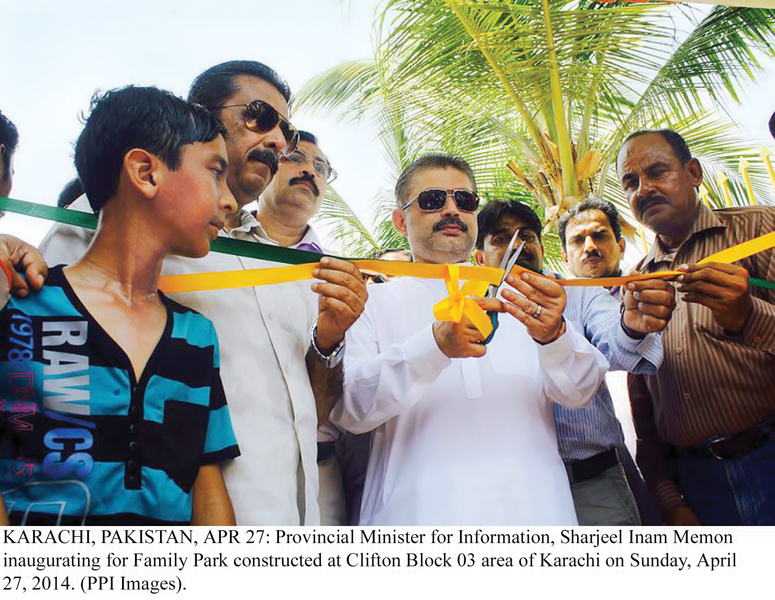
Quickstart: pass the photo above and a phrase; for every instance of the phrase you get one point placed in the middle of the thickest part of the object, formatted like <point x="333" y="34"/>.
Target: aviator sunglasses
<point x="435" y="199"/>
<point x="262" y="117"/>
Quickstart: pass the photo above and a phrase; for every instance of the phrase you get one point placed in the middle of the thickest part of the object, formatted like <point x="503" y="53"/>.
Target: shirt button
<point x="687" y="396"/>
<point x="133" y="428"/>
<point x="133" y="411"/>
<point x="133" y="446"/>
<point x="134" y="480"/>
<point x="131" y="464"/>
<point x="757" y="339"/>
<point x="678" y="350"/>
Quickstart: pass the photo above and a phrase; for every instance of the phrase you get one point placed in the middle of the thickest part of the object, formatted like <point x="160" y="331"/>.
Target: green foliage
<point x="542" y="82"/>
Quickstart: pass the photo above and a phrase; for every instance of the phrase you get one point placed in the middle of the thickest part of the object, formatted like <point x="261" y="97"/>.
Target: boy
<point x="111" y="404"/>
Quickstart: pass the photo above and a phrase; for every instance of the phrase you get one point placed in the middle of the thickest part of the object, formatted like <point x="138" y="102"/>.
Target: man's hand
<point x="544" y="324"/>
<point x="342" y="298"/>
<point x="17" y="254"/>
<point x="681" y="516"/>
<point x="722" y="288"/>
<point x="648" y="305"/>
<point x="463" y="339"/>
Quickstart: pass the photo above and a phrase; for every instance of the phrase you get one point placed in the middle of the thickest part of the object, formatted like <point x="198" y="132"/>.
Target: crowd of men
<point x="340" y="402"/>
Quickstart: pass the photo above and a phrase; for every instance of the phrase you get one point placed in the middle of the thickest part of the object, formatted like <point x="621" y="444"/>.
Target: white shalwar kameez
<point x="462" y="441"/>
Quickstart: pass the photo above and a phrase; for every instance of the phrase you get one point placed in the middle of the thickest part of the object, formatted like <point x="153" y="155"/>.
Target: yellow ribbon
<point x="458" y="303"/>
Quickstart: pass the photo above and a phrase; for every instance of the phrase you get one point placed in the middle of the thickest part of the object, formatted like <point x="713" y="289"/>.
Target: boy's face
<point x="199" y="197"/>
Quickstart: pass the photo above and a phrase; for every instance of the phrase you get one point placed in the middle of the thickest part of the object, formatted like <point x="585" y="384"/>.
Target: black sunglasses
<point x="262" y="117"/>
<point x="434" y="200"/>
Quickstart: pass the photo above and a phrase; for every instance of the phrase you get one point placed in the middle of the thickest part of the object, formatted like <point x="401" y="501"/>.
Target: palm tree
<point x="552" y="87"/>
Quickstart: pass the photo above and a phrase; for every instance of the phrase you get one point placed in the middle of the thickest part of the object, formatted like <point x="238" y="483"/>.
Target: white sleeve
<point x="65" y="244"/>
<point x="379" y="386"/>
<point x="573" y="369"/>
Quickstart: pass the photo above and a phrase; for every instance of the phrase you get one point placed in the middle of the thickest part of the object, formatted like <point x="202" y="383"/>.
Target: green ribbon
<point x="288" y="256"/>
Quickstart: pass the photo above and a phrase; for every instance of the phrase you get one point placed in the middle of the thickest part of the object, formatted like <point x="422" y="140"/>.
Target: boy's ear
<point x="143" y="171"/>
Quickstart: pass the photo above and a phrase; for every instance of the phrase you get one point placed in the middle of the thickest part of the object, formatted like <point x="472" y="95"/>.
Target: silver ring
<point x="537" y="313"/>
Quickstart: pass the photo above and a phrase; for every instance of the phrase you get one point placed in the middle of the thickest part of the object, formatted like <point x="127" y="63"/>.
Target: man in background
<point x="9" y="139"/>
<point x="706" y="419"/>
<point x="590" y="439"/>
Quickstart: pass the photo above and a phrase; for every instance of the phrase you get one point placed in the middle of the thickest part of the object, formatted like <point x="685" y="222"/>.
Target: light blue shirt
<point x="584" y="432"/>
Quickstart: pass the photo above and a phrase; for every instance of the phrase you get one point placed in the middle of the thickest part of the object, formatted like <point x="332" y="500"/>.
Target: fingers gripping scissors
<point x="507" y="263"/>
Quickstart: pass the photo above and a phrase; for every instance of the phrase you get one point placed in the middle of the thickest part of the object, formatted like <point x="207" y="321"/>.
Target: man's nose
<point x="450" y="207"/>
<point x="589" y="244"/>
<point x="645" y="187"/>
<point x="275" y="140"/>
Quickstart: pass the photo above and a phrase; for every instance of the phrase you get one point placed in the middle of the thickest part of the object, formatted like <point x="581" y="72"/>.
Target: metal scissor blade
<point x="510" y="265"/>
<point x="493" y="289"/>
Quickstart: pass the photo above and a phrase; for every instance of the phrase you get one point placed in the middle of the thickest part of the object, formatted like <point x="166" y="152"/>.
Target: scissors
<point x="507" y="263"/>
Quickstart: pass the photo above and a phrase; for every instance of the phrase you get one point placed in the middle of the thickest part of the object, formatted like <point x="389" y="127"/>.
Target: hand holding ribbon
<point x="462" y="321"/>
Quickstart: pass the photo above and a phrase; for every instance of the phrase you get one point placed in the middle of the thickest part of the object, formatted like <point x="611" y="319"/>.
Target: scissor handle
<point x="494" y="321"/>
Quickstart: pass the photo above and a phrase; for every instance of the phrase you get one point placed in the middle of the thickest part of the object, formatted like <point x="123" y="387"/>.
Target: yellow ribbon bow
<point x="458" y="303"/>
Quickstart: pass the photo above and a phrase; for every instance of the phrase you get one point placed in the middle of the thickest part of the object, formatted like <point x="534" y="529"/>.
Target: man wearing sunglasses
<point x="590" y="439"/>
<point x="270" y="363"/>
<point x="463" y="432"/>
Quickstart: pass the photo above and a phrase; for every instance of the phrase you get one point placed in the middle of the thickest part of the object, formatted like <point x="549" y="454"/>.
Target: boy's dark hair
<point x="135" y="117"/>
<point x="591" y="203"/>
<point x="217" y="84"/>
<point x="9" y="137"/>
<point x="491" y="213"/>
<point x="677" y="143"/>
<point x="435" y="160"/>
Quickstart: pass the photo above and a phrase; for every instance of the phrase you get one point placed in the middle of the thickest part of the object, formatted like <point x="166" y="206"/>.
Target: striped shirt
<point x="82" y="442"/>
<point x="585" y="432"/>
<point x="710" y="383"/>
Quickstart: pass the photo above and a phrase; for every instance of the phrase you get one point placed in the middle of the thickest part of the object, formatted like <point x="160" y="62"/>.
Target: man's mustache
<point x="642" y="204"/>
<point x="309" y="178"/>
<point x="450" y="220"/>
<point x="593" y="254"/>
<point x="267" y="157"/>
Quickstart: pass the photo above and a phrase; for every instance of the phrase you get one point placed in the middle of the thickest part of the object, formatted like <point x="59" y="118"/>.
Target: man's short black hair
<point x="306" y="136"/>
<point x="70" y="193"/>
<point x="9" y="137"/>
<point x="434" y="160"/>
<point x="591" y="203"/>
<point x="217" y="84"/>
<point x="772" y="125"/>
<point x="135" y="117"/>
<point x="677" y="143"/>
<point x="491" y="213"/>
<point x="382" y="252"/>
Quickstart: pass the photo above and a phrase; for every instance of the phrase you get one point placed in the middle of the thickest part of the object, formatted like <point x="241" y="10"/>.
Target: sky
<point x="57" y="53"/>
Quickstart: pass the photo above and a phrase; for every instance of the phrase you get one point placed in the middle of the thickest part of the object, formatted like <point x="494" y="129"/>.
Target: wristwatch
<point x="329" y="361"/>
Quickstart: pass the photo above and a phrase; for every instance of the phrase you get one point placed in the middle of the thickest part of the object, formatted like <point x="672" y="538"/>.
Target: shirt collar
<point x="250" y="225"/>
<point x="703" y="221"/>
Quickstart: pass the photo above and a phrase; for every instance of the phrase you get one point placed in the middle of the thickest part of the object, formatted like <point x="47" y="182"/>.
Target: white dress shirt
<point x="264" y="335"/>
<point x="463" y="441"/>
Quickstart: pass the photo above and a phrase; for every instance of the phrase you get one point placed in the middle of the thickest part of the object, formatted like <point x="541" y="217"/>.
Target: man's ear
<point x="143" y="171"/>
<point x="622" y="244"/>
<point x="479" y="257"/>
<point x="695" y="171"/>
<point x="564" y="255"/>
<point x="399" y="221"/>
